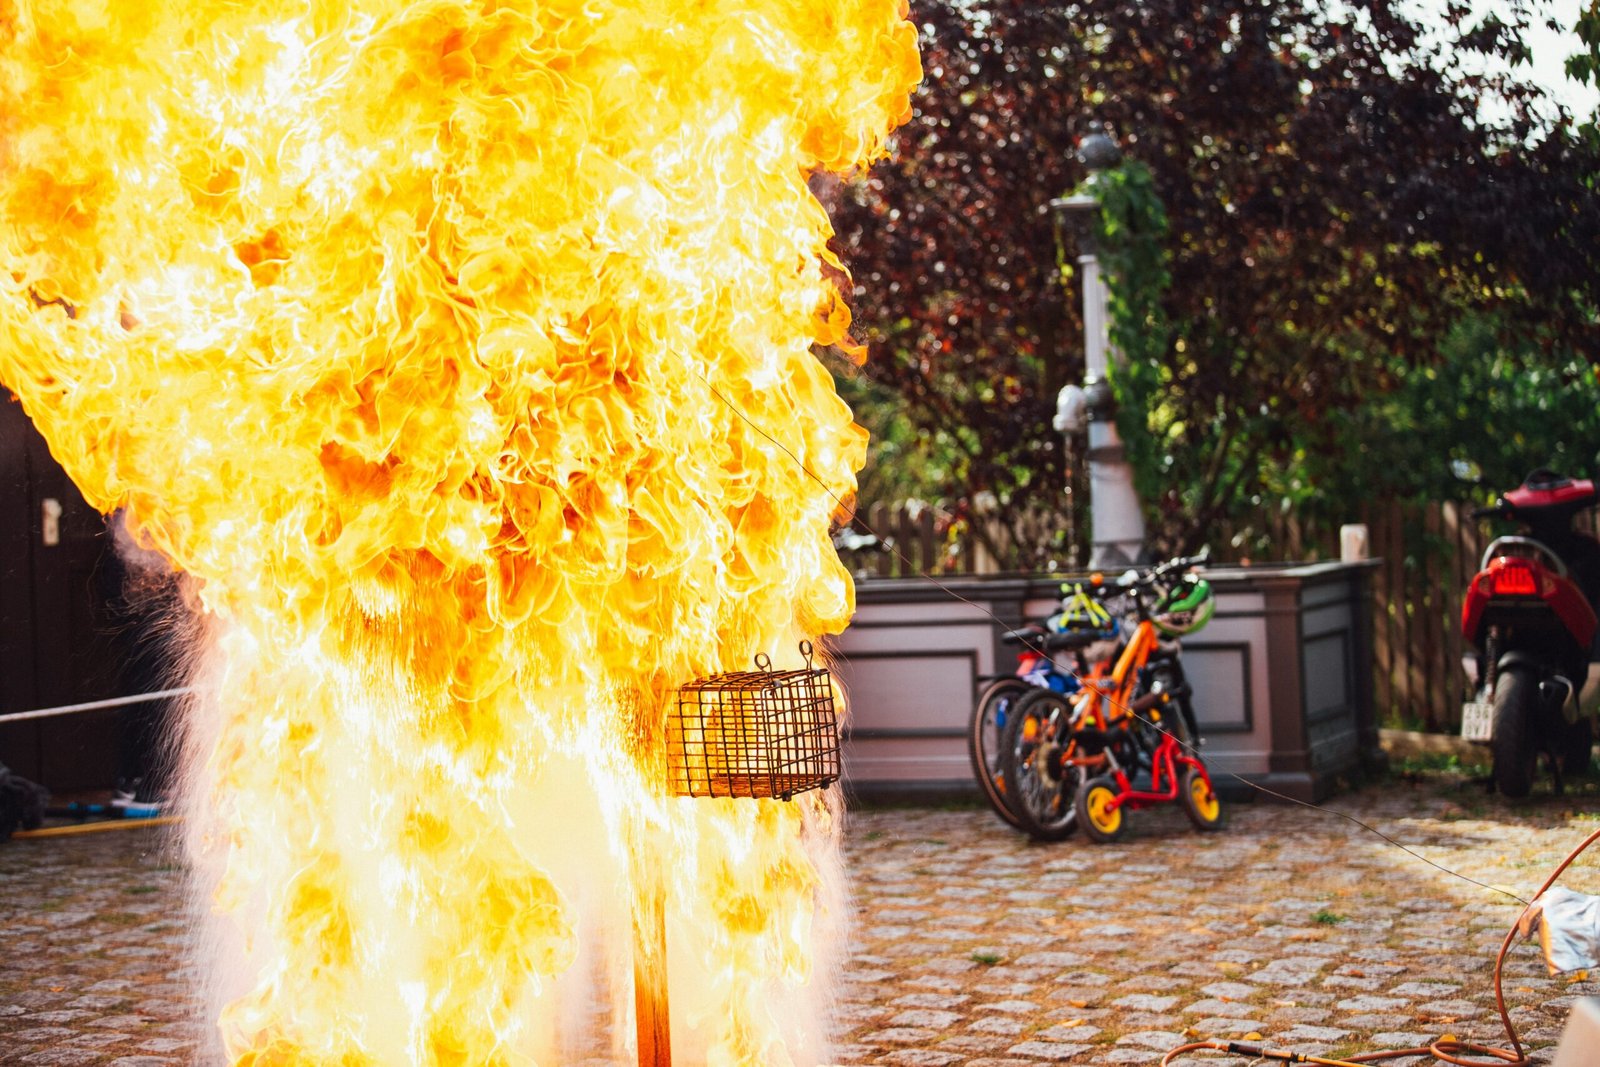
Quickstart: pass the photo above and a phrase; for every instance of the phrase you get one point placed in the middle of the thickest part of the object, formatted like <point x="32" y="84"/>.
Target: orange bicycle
<point x="1117" y="721"/>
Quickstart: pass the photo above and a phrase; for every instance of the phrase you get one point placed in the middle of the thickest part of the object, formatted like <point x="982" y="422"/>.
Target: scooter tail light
<point x="1513" y="578"/>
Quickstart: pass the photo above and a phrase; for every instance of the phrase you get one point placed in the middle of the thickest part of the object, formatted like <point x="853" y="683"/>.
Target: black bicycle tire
<point x="1022" y="774"/>
<point x="993" y="791"/>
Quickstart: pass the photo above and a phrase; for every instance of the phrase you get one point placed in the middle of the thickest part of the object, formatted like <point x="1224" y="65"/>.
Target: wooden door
<point x="60" y="640"/>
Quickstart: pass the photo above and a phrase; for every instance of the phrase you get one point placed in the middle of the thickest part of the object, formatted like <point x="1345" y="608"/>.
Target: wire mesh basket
<point x="760" y="733"/>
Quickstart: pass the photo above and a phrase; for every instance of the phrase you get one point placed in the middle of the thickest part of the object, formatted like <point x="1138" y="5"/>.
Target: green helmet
<point x="1185" y="608"/>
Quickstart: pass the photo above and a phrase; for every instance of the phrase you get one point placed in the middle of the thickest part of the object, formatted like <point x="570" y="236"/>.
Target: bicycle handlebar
<point x="1132" y="581"/>
<point x="1025" y="634"/>
<point x="1182" y="563"/>
<point x="1176" y="565"/>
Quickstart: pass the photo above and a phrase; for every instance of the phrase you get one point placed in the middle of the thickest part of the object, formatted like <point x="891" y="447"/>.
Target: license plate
<point x="1477" y="721"/>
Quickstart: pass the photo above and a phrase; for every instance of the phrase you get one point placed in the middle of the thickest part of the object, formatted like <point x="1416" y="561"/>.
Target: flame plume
<point x="400" y="327"/>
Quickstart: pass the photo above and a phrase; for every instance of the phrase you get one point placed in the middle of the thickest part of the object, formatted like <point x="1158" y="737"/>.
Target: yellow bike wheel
<point x="1098" y="814"/>
<point x="1200" y="801"/>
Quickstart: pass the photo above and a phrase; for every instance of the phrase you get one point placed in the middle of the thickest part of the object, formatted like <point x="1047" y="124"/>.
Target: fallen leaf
<point x="1191" y="1032"/>
<point x="1079" y="1003"/>
<point x="1578" y="976"/>
<point x="1073" y="1022"/>
<point x="1252" y="1036"/>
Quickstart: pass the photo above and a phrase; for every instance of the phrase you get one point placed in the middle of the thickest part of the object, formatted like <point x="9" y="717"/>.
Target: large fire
<point x="440" y="343"/>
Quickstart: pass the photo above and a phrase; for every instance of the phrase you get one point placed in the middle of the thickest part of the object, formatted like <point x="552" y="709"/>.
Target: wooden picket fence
<point x="911" y="543"/>
<point x="1428" y="554"/>
<point x="917" y="540"/>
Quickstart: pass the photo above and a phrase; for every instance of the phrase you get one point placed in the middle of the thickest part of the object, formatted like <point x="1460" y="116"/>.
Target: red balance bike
<point x="1175" y="774"/>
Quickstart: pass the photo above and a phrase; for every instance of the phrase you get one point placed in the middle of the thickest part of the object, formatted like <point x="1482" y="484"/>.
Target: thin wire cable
<point x="1192" y="749"/>
<point x="95" y="705"/>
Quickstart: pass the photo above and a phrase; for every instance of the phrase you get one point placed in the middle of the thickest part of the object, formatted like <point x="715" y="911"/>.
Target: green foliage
<point x="1328" y="918"/>
<point x="909" y="462"/>
<point x="1584" y="66"/>
<point x="1133" y="257"/>
<point x="1439" y="762"/>
<point x="1349" y="210"/>
<point x="1504" y="402"/>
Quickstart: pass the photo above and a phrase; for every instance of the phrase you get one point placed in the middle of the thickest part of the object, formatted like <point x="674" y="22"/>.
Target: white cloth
<point x="1568" y="925"/>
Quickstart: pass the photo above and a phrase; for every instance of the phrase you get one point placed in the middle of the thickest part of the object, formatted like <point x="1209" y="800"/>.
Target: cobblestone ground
<point x="94" y="953"/>
<point x="975" y="947"/>
<point x="972" y="945"/>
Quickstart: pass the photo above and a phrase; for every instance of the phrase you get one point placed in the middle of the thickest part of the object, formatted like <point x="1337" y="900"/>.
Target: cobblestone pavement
<point x="972" y="945"/>
<point x="93" y="954"/>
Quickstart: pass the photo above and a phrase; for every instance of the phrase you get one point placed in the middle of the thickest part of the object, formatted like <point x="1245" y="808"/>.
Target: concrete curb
<point x="1400" y="744"/>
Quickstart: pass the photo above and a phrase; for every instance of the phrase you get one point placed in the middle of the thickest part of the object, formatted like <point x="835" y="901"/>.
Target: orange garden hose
<point x="96" y="827"/>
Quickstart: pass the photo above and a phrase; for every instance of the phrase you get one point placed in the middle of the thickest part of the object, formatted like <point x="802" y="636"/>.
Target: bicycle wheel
<point x="1200" y="802"/>
<point x="1102" y="823"/>
<point x="1041" y="785"/>
<point x="985" y="736"/>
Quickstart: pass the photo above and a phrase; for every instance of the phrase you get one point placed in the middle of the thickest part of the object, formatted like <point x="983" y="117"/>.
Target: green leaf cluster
<point x="1134" y="260"/>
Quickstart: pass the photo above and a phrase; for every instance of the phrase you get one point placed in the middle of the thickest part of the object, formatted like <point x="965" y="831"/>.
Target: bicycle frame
<point x="1164" y="765"/>
<point x="1113" y="694"/>
<point x="1104" y="698"/>
<point x="1090" y="744"/>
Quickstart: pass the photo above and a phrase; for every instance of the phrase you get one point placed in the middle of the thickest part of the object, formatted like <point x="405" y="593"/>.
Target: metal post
<point x="1115" y="521"/>
<point x="650" y="973"/>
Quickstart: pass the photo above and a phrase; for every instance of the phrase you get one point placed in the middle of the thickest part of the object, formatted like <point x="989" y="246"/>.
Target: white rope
<point x="95" y="705"/>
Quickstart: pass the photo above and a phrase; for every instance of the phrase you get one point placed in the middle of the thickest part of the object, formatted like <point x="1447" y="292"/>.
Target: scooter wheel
<point x="1200" y="801"/>
<point x="1516" y="703"/>
<point x="1102" y="822"/>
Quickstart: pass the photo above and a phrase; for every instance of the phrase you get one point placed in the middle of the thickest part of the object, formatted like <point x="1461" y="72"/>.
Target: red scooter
<point x="1530" y="614"/>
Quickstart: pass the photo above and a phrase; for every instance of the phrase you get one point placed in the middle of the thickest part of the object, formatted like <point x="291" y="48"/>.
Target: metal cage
<point x="760" y="733"/>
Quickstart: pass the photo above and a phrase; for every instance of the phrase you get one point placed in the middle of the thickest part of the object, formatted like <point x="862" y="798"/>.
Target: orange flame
<point x="440" y="343"/>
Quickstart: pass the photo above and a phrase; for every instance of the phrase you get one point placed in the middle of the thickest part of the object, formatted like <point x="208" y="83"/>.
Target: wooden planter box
<point x="1282" y="676"/>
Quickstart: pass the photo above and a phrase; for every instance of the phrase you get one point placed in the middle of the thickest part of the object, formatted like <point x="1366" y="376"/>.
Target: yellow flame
<point x="418" y="334"/>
